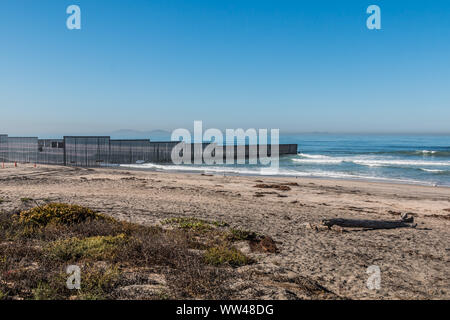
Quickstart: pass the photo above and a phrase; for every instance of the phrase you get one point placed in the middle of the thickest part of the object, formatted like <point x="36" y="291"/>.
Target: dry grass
<point x="195" y="257"/>
<point x="96" y="248"/>
<point x="238" y="235"/>
<point x="57" y="213"/>
<point x="195" y="224"/>
<point x="225" y="255"/>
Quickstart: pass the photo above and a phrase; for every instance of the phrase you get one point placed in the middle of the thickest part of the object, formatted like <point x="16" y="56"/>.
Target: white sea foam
<point x="268" y="171"/>
<point x="321" y="159"/>
<point x="205" y="169"/>
<point x="432" y="170"/>
<point x="325" y="166"/>
<point x="401" y="163"/>
<point x="313" y="156"/>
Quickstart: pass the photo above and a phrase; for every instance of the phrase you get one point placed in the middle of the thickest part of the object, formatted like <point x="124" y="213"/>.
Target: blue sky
<point x="300" y="66"/>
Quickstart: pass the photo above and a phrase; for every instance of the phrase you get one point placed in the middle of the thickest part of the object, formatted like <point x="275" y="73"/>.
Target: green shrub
<point x="190" y="223"/>
<point x="223" y="255"/>
<point x="96" y="248"/>
<point x="97" y="284"/>
<point x="220" y="223"/>
<point x="59" y="213"/>
<point x="238" y="234"/>
<point x="195" y="224"/>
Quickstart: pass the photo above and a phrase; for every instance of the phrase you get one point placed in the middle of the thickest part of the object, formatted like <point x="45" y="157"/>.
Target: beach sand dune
<point x="414" y="262"/>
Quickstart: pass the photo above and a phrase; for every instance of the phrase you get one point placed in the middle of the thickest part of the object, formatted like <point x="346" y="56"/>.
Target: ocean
<point x="412" y="159"/>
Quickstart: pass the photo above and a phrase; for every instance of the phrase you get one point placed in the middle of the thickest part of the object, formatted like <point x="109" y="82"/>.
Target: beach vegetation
<point x="44" y="291"/>
<point x="225" y="255"/>
<point x="194" y="224"/>
<point x="96" y="248"/>
<point x="58" y="213"/>
<point x="98" y="283"/>
<point x="195" y="260"/>
<point x="239" y="235"/>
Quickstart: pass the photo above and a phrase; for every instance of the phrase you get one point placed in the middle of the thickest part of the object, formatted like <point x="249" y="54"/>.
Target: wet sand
<point x="414" y="262"/>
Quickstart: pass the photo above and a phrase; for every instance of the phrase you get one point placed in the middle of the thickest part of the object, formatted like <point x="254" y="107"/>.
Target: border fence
<point x="3" y="147"/>
<point x="86" y="151"/>
<point x="23" y="149"/>
<point x="95" y="151"/>
<point x="130" y="151"/>
<point x="50" y="151"/>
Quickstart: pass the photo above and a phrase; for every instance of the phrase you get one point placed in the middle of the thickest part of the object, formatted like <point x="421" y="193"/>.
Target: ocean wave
<point x="431" y="170"/>
<point x="444" y="152"/>
<point x="434" y="153"/>
<point x="313" y="156"/>
<point x="322" y="159"/>
<point x="431" y="153"/>
<point x="436" y="171"/>
<point x="373" y="163"/>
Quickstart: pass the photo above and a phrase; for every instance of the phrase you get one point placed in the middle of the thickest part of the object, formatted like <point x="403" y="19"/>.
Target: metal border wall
<point x="3" y="148"/>
<point x="22" y="149"/>
<point x="50" y="151"/>
<point x="129" y="151"/>
<point x="86" y="151"/>
<point x="161" y="151"/>
<point x="94" y="151"/>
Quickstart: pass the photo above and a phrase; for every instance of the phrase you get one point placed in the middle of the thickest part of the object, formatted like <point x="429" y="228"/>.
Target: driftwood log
<point x="405" y="222"/>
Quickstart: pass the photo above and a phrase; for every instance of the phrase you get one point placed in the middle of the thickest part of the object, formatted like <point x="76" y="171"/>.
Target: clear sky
<point x="297" y="65"/>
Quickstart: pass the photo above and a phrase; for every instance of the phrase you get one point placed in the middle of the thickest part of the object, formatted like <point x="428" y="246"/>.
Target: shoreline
<point x="205" y="171"/>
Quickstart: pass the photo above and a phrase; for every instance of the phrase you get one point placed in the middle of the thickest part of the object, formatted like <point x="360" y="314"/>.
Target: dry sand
<point x="414" y="263"/>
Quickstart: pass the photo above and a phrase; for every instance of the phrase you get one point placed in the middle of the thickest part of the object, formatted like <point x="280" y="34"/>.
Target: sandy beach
<point x="414" y="262"/>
